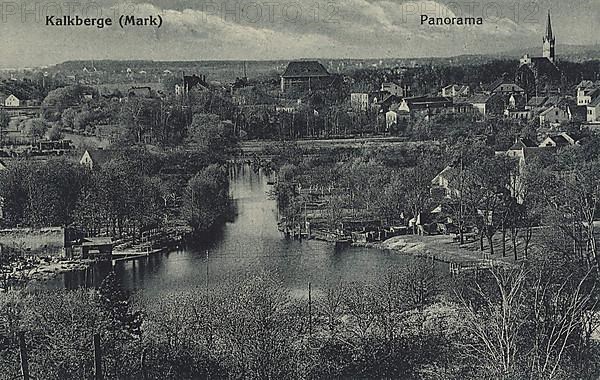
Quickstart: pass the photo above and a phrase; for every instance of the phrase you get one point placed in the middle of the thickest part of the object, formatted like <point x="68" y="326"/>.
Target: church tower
<point x="549" y="41"/>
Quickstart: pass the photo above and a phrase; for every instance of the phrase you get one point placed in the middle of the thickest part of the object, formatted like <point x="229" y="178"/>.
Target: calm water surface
<point x="250" y="244"/>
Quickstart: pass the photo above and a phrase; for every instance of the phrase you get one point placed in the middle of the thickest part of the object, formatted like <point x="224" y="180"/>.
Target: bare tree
<point x="559" y="308"/>
<point x="494" y="318"/>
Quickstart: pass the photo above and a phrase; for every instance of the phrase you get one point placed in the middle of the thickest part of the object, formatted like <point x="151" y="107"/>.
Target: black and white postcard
<point x="286" y="189"/>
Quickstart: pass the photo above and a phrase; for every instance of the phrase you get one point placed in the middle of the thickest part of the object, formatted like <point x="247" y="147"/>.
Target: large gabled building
<point x="304" y="76"/>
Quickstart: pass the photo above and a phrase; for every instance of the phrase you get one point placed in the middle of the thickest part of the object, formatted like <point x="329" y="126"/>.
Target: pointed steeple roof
<point x="549" y="28"/>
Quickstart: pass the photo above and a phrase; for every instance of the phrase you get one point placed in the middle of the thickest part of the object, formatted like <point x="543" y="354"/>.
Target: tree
<point x="36" y="128"/>
<point x="212" y="135"/>
<point x="41" y="193"/>
<point x="494" y="316"/>
<point x="137" y="116"/>
<point x="530" y="321"/>
<point x="115" y="300"/>
<point x="417" y="186"/>
<point x="572" y="201"/>
<point x="55" y="133"/>
<point x="4" y="122"/>
<point x="62" y="98"/>
<point x="392" y="202"/>
<point x="493" y="176"/>
<point x="91" y="212"/>
<point x="463" y="184"/>
<point x="68" y="118"/>
<point x="206" y="198"/>
<point x="561" y="298"/>
<point x="527" y="204"/>
<point x="83" y="120"/>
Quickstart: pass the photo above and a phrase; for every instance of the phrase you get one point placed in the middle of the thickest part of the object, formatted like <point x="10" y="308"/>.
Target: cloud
<point x="280" y="29"/>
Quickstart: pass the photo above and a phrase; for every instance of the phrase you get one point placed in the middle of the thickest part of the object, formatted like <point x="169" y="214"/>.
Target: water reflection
<point x="248" y="244"/>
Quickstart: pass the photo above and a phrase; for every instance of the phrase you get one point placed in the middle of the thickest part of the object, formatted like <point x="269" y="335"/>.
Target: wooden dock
<point x="128" y="255"/>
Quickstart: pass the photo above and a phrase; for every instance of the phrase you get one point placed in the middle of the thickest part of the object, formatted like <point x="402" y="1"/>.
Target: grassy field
<point x="358" y="142"/>
<point x="444" y="248"/>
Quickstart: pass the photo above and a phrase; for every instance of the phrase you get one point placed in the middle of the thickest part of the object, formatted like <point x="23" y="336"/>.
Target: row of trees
<point x="57" y="192"/>
<point x="131" y="191"/>
<point x="143" y="120"/>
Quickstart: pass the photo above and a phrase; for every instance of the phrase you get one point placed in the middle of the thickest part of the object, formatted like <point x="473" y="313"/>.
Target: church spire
<point x="549" y="28"/>
<point x="549" y="41"/>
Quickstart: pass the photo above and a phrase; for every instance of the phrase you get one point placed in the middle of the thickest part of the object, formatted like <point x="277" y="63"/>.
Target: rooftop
<point x="537" y="101"/>
<point x="498" y="82"/>
<point x="303" y="69"/>
<point x="595" y="102"/>
<point x="560" y="140"/>
<point x="95" y="241"/>
<point x="523" y="143"/>
<point x="478" y="98"/>
<point x="100" y="156"/>
<point x="588" y="84"/>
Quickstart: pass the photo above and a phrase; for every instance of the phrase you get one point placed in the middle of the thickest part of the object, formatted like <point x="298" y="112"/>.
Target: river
<point x="249" y="244"/>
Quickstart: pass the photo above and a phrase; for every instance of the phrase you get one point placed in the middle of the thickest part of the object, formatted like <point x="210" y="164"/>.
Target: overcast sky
<point x="286" y="29"/>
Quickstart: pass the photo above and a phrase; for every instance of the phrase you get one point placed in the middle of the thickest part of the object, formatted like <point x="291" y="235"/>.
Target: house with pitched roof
<point x="394" y="88"/>
<point x="12" y="101"/>
<point x="536" y="102"/>
<point x="517" y="108"/>
<point x="93" y="159"/>
<point x="441" y="184"/>
<point x="503" y="86"/>
<point x="587" y="91"/>
<point x="593" y="111"/>
<point x="456" y="90"/>
<point x="486" y="104"/>
<point x="558" y="141"/>
<point x="554" y="115"/>
<point x="304" y="75"/>
<point x="427" y="104"/>
<point x="363" y="98"/>
<point x="397" y="114"/>
<point x="480" y="103"/>
<point x="386" y="102"/>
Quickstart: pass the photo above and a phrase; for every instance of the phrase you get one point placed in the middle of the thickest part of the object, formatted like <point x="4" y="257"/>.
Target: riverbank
<point x="39" y="271"/>
<point x="441" y="248"/>
<point x="22" y="271"/>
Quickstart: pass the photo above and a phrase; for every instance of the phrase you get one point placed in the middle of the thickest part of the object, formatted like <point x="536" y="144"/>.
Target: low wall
<point x="49" y="241"/>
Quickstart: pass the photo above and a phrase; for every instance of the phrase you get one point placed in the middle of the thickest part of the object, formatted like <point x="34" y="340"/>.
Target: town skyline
<point x="564" y="52"/>
<point x="256" y="31"/>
